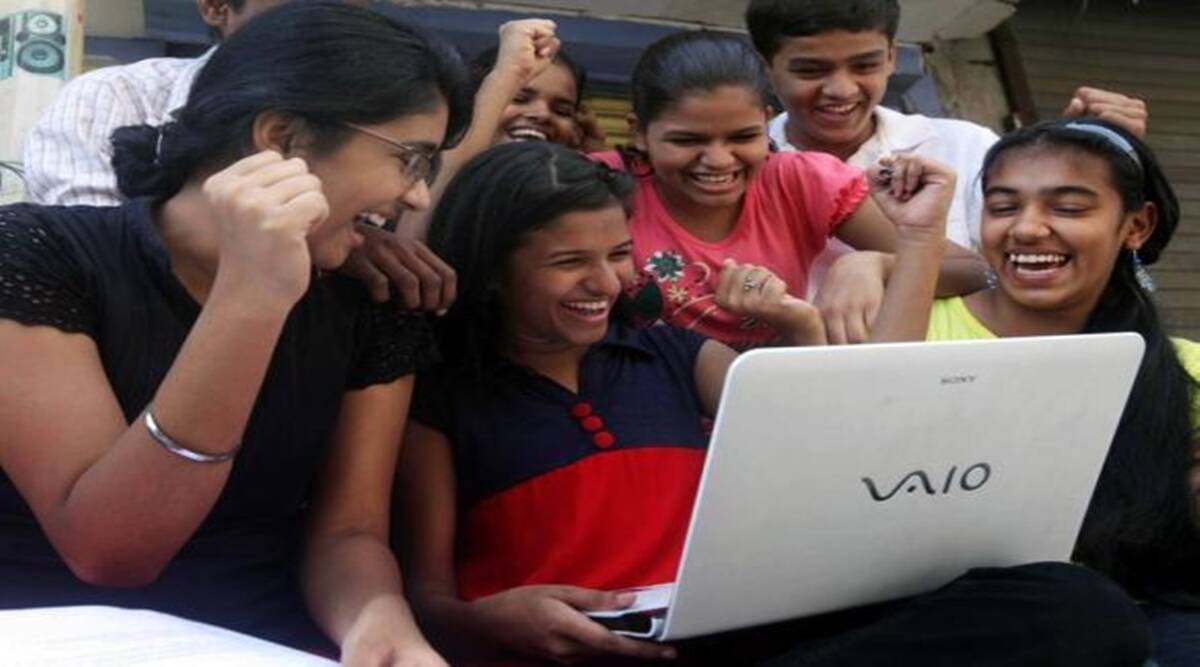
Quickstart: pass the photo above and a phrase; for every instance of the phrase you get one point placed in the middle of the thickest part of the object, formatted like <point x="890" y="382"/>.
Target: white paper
<point x="110" y="636"/>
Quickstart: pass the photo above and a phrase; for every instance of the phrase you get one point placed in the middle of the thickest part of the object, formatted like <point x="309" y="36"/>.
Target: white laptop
<point x="844" y="476"/>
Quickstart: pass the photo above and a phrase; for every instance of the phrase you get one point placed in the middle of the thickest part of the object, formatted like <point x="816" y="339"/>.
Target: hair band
<point x="1108" y="135"/>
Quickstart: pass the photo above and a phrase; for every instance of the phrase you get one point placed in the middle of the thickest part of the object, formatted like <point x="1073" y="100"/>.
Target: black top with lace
<point x="104" y="273"/>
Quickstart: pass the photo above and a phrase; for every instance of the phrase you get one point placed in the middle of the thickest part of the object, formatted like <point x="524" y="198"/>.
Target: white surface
<point x="652" y="602"/>
<point x="112" y="637"/>
<point x="784" y="525"/>
<point x="649" y="598"/>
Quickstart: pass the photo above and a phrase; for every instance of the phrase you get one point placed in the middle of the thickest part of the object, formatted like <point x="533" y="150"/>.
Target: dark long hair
<point x="694" y="61"/>
<point x="328" y="63"/>
<point x="1141" y="527"/>
<point x="487" y="211"/>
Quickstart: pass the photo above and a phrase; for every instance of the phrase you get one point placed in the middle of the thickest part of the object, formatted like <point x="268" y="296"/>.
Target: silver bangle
<point x="157" y="435"/>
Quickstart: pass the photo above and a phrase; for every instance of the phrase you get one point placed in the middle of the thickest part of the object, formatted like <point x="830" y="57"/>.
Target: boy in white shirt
<point x="829" y="62"/>
<point x="68" y="154"/>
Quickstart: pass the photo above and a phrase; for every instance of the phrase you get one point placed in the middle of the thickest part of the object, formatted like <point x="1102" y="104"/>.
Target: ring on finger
<point x="750" y="284"/>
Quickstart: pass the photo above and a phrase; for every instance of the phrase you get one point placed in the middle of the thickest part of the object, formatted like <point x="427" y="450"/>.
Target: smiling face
<point x="543" y="110"/>
<point x="562" y="282"/>
<point x="830" y="84"/>
<point x="705" y="148"/>
<point x="1054" y="226"/>
<point x="364" y="180"/>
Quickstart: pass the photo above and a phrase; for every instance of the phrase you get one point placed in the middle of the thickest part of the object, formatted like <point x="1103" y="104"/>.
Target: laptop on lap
<point x="845" y="476"/>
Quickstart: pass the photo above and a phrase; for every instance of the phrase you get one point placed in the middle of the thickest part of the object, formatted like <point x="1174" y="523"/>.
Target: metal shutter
<point x="612" y="111"/>
<point x="1152" y="50"/>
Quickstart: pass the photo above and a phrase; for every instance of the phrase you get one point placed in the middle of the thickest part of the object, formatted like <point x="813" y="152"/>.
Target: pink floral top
<point x="791" y="207"/>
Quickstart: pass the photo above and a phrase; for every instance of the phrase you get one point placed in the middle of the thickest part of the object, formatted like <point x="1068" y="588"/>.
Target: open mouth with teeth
<point x="837" y="113"/>
<point x="591" y="310"/>
<point x="841" y="116"/>
<point x="1036" y="263"/>
<point x="841" y="109"/>
<point x="376" y="220"/>
<point x="526" y="133"/>
<point x="713" y="182"/>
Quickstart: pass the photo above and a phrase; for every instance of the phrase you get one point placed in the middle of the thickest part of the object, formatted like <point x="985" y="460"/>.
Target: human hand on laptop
<point x="549" y="622"/>
<point x="754" y="291"/>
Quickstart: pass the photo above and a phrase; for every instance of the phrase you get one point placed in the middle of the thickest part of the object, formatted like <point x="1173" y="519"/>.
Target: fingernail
<point x="625" y="598"/>
<point x="442" y="312"/>
<point x="669" y="653"/>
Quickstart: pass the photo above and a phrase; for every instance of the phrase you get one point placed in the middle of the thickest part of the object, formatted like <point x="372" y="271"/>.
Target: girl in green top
<point x="1073" y="210"/>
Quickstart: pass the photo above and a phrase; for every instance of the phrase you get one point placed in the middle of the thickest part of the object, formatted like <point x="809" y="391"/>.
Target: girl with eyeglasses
<point x="195" y="417"/>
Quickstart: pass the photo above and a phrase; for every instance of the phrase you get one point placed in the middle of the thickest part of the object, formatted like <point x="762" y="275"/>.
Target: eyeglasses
<point x="416" y="164"/>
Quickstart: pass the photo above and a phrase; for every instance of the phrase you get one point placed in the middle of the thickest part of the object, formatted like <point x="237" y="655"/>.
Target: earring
<point x="1139" y="271"/>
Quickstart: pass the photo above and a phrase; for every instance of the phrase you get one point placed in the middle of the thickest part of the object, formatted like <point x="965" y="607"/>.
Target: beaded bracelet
<point x="177" y="449"/>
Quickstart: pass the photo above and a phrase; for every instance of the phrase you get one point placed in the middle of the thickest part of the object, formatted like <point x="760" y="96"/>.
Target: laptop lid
<point x="843" y="476"/>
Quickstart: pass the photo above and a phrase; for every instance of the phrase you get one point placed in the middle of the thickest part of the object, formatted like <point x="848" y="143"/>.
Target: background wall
<point x="1149" y="50"/>
<point x="41" y="47"/>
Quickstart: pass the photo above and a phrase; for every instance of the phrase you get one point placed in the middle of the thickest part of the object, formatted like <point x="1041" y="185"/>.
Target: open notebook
<point x="104" y="636"/>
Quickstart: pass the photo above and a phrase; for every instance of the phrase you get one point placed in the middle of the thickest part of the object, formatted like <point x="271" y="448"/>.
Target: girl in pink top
<point x="712" y="198"/>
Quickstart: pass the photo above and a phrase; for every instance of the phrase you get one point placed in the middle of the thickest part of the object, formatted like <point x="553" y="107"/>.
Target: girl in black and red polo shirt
<point x="558" y="450"/>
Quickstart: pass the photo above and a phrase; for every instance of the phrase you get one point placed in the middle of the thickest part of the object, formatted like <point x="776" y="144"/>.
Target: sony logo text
<point x="959" y="379"/>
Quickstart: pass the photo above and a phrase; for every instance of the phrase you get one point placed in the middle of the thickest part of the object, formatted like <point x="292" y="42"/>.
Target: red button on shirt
<point x="581" y="410"/>
<point x="603" y="440"/>
<point x="592" y="424"/>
